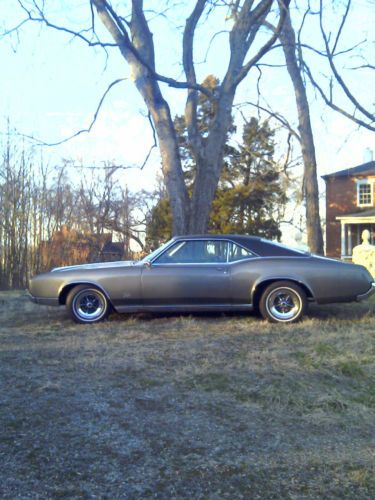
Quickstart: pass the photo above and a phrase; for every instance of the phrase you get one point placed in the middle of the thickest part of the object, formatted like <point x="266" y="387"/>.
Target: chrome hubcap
<point x="89" y="305"/>
<point x="284" y="304"/>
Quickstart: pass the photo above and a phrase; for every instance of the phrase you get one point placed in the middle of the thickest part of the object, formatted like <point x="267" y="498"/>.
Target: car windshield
<point x="153" y="254"/>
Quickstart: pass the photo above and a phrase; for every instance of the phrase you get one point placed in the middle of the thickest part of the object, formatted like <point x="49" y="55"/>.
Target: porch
<point x="352" y="226"/>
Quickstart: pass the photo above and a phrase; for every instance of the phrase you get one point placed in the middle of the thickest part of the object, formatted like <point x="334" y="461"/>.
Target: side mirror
<point x="147" y="264"/>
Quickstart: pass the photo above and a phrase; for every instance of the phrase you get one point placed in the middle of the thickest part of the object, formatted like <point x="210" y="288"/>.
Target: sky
<point x="51" y="86"/>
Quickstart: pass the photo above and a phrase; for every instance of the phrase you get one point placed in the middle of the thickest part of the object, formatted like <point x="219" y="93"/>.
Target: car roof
<point x="256" y="244"/>
<point x="217" y="237"/>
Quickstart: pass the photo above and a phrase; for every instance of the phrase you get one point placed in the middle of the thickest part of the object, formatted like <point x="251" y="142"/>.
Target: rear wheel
<point x="283" y="302"/>
<point x="87" y="304"/>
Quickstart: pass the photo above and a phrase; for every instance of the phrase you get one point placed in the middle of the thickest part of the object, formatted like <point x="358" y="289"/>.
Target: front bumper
<point x="45" y="301"/>
<point x="368" y="294"/>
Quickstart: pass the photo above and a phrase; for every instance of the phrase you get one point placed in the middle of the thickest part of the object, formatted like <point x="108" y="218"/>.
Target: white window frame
<point x="365" y="182"/>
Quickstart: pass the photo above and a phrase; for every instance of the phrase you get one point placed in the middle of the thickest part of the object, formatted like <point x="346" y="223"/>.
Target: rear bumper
<point x="45" y="301"/>
<point x="368" y="293"/>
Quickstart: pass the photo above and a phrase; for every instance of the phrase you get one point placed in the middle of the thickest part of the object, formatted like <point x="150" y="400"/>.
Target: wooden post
<point x="350" y="242"/>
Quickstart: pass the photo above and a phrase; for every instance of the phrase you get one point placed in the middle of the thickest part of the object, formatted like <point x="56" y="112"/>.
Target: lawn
<point x="202" y="406"/>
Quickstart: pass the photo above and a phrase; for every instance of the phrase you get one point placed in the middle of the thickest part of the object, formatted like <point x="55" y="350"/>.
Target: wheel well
<point x="262" y="286"/>
<point x="65" y="291"/>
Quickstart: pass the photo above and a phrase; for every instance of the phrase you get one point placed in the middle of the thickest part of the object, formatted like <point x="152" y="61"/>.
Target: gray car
<point x="205" y="273"/>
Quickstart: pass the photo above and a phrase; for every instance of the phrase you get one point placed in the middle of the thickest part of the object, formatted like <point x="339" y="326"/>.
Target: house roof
<point x="113" y="247"/>
<point x="357" y="217"/>
<point x="365" y="168"/>
<point x="364" y="213"/>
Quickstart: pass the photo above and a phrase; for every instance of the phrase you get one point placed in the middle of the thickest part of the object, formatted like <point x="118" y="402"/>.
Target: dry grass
<point x="203" y="406"/>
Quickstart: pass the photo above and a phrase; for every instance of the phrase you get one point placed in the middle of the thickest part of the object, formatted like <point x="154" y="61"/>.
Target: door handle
<point x="224" y="269"/>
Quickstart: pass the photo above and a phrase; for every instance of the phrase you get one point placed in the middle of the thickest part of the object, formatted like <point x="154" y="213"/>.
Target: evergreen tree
<point x="251" y="191"/>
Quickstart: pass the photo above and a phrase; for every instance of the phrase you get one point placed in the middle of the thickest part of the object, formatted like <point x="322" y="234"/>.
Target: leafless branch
<point x="283" y="5"/>
<point x="14" y="29"/>
<point x="85" y="130"/>
<point x="281" y="119"/>
<point x="124" y="40"/>
<point x="330" y="55"/>
<point x="154" y="145"/>
<point x="332" y="105"/>
<point x="75" y="34"/>
<point x="210" y="43"/>
<point x="363" y="66"/>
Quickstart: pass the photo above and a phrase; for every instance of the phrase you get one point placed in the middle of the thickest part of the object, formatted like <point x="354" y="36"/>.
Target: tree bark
<point x="311" y="190"/>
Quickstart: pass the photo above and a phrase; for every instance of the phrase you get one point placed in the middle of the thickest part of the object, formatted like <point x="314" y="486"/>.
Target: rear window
<point x="238" y="253"/>
<point x="267" y="248"/>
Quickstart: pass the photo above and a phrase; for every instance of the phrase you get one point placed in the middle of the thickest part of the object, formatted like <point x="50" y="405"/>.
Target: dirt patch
<point x="203" y="406"/>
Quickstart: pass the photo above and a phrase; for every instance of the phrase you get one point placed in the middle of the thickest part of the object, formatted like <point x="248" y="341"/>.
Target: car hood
<point x="95" y="265"/>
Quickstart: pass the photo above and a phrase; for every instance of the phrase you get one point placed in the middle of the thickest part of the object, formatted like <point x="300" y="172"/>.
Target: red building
<point x="69" y="247"/>
<point x="350" y="208"/>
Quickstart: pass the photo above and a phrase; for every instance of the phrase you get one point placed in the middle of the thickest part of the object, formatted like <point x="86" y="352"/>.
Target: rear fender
<point x="261" y="283"/>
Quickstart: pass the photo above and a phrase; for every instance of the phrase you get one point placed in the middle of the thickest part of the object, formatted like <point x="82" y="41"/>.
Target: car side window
<point x="195" y="252"/>
<point x="238" y="253"/>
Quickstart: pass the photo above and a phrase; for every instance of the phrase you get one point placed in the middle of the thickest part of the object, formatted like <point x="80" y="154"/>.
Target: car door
<point x="191" y="272"/>
<point x="244" y="269"/>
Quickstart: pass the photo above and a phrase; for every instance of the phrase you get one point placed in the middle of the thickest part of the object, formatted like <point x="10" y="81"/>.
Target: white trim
<point x="350" y="240"/>
<point x="356" y="220"/>
<point x="365" y="182"/>
<point x="343" y="239"/>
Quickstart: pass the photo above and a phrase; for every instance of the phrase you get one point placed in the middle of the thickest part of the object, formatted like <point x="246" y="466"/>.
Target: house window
<point x="364" y="194"/>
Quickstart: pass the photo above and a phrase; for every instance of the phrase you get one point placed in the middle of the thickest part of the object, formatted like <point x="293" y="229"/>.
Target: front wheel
<point x="283" y="302"/>
<point x="87" y="304"/>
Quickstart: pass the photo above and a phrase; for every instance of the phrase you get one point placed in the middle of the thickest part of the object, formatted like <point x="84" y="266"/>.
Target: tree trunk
<point x="171" y="166"/>
<point x="311" y="191"/>
<point x="203" y="194"/>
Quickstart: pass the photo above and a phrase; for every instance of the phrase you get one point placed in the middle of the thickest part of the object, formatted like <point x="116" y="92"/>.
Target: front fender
<point x="67" y="286"/>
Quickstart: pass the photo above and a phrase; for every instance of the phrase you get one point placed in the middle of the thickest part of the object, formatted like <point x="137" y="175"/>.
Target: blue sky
<point x="52" y="84"/>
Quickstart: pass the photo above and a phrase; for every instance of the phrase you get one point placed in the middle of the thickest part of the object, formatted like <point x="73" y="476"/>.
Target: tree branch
<point x="85" y="130"/>
<point x="330" y="56"/>
<point x="331" y="104"/>
<point x="115" y="26"/>
<point x="188" y="63"/>
<point x="113" y="22"/>
<point x="15" y="28"/>
<point x="75" y="34"/>
<point x="281" y="119"/>
<point x="284" y="6"/>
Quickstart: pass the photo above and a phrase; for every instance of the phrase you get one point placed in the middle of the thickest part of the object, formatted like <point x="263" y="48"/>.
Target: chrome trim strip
<point x="184" y="307"/>
<point x="197" y="264"/>
<point x="218" y="264"/>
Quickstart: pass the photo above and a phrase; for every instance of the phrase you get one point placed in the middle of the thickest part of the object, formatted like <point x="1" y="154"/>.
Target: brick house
<point x="350" y="208"/>
<point x="69" y="247"/>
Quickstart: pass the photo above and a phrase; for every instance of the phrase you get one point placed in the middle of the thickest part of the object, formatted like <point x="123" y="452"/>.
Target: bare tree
<point x="131" y="33"/>
<point x="302" y="72"/>
<point x="37" y="203"/>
